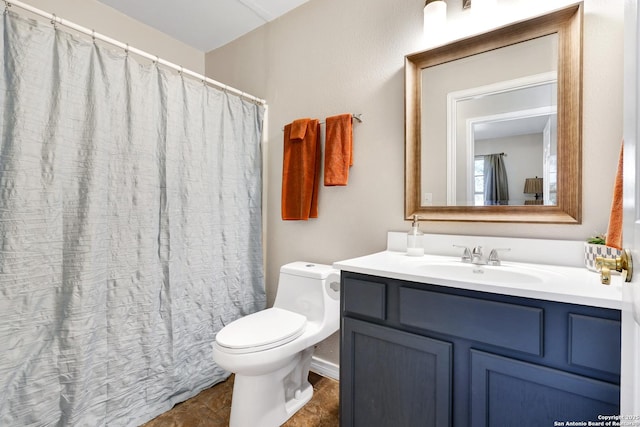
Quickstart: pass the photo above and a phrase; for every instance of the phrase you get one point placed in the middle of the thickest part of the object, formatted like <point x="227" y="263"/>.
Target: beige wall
<point x="335" y="56"/>
<point x="109" y="22"/>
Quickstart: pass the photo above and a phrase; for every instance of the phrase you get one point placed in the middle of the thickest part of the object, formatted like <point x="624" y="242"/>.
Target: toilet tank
<point x="301" y="289"/>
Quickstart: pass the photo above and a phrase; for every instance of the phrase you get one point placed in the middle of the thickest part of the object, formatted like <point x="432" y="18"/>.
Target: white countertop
<point x="572" y="285"/>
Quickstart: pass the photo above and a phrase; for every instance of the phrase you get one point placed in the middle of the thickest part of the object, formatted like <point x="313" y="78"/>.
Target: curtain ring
<point x="126" y="49"/>
<point x="54" y="21"/>
<point x="7" y="5"/>
<point x="93" y="35"/>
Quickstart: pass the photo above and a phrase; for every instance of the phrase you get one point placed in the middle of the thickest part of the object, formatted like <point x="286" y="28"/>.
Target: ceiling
<point x="513" y="127"/>
<point x="204" y="24"/>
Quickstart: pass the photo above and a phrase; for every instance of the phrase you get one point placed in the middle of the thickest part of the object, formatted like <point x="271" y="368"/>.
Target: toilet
<point x="270" y="351"/>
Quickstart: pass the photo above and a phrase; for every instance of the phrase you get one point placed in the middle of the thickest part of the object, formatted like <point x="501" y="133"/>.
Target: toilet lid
<point x="262" y="330"/>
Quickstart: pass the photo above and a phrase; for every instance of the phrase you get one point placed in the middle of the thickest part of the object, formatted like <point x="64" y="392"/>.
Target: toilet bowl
<point x="270" y="351"/>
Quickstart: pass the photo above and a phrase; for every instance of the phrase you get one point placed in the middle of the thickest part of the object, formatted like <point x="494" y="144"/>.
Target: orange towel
<point x="299" y="128"/>
<point x="301" y="170"/>
<point x="614" y="232"/>
<point x="338" y="156"/>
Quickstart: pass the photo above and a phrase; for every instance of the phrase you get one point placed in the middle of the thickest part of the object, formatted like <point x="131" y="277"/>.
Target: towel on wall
<point x="338" y="156"/>
<point x="299" y="128"/>
<point x="301" y="170"/>
<point x="614" y="231"/>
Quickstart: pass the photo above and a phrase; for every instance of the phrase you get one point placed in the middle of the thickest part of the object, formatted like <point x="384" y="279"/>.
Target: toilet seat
<point x="263" y="330"/>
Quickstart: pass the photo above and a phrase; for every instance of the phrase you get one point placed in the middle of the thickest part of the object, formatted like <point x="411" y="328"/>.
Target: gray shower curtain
<point x="130" y="230"/>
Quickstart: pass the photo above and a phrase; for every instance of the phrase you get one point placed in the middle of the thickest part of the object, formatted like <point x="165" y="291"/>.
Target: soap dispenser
<point x="415" y="245"/>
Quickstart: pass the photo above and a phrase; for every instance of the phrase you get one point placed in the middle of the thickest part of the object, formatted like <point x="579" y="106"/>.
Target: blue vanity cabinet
<point x="414" y="354"/>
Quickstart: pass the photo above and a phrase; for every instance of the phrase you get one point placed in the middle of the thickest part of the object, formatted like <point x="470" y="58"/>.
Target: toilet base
<point x="304" y="396"/>
<point x="269" y="400"/>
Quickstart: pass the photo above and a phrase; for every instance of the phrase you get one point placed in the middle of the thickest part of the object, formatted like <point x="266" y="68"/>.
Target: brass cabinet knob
<point x="622" y="263"/>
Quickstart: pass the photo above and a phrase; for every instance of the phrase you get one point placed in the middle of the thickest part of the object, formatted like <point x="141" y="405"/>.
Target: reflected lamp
<point x="533" y="186"/>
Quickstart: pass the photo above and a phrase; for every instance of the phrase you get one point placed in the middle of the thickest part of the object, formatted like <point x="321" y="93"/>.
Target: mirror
<point x="511" y="111"/>
<point x="493" y="124"/>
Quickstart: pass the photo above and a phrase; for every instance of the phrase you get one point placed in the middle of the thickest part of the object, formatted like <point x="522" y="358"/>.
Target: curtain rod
<point x="57" y="20"/>
<point x="493" y="154"/>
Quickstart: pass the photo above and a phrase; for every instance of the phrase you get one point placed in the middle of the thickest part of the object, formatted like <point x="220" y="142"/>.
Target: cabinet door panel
<point x="392" y="378"/>
<point x="364" y="297"/>
<point x="594" y="343"/>
<point x="511" y="326"/>
<point x="505" y="391"/>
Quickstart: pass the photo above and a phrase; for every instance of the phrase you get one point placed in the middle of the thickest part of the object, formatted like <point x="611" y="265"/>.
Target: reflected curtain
<point x="496" y="186"/>
<point x="130" y="225"/>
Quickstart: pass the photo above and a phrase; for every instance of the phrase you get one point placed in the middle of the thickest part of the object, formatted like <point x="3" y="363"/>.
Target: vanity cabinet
<point x="415" y="354"/>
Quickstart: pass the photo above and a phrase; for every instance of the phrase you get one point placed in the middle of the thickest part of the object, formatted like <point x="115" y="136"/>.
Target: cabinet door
<point x="393" y="378"/>
<point x="507" y="392"/>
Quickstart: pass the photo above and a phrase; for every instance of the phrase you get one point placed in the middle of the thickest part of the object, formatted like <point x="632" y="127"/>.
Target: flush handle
<point x="335" y="286"/>
<point x="622" y="263"/>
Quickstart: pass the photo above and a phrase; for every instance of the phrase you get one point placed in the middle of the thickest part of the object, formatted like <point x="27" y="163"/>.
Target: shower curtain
<point x="130" y="230"/>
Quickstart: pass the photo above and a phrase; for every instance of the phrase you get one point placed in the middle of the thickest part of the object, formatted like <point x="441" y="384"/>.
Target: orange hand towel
<point x="338" y="156"/>
<point x="299" y="128"/>
<point x="301" y="171"/>
<point x="614" y="232"/>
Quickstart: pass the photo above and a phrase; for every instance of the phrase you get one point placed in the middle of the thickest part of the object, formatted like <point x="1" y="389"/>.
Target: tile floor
<point x="211" y="408"/>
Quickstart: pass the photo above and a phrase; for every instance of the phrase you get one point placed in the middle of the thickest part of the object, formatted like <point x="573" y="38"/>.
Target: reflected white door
<point x="630" y="376"/>
<point x="546" y="164"/>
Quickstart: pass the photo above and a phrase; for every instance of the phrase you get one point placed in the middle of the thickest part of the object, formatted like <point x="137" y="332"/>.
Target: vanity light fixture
<point x="435" y="18"/>
<point x="533" y="186"/>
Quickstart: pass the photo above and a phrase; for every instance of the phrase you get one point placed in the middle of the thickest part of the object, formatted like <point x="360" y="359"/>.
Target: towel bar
<point x="356" y="117"/>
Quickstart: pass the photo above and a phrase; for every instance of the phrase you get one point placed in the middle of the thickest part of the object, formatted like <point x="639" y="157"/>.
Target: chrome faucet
<point x="466" y="255"/>
<point x="493" y="256"/>
<point x="476" y="255"/>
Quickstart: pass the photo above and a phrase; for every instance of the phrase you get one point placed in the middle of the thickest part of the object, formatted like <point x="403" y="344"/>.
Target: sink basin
<point x="498" y="275"/>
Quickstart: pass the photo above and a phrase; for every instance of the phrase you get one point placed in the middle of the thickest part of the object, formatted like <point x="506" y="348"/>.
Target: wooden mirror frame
<point x="567" y="23"/>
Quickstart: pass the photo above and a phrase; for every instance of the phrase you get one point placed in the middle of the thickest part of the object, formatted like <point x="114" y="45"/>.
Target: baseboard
<point x="324" y="368"/>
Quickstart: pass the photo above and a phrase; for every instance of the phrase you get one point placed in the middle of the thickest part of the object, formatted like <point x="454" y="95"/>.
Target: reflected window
<point x="478" y="179"/>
